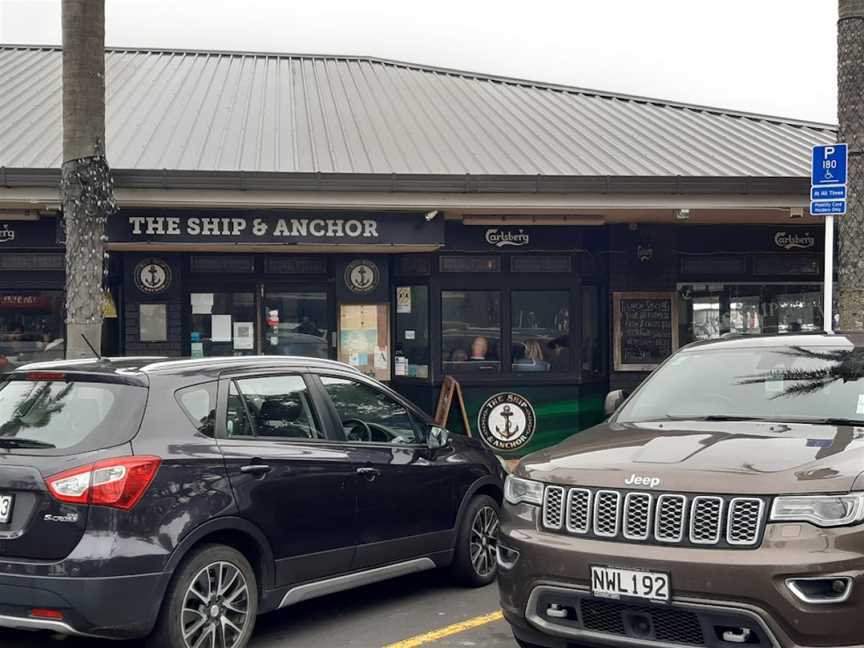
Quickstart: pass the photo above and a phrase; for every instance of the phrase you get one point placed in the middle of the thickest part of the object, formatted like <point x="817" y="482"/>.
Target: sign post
<point x="828" y="198"/>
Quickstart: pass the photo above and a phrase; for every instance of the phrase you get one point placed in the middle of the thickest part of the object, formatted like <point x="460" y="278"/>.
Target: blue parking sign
<point x="829" y="165"/>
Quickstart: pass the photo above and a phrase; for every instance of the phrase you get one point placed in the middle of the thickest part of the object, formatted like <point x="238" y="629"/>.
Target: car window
<point x="370" y="415"/>
<point x="275" y="406"/>
<point x="199" y="404"/>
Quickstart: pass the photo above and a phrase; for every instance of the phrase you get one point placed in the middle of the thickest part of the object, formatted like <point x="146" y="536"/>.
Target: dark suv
<point x="185" y="497"/>
<point x="721" y="505"/>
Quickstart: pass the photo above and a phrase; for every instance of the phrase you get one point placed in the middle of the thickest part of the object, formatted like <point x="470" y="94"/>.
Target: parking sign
<point x="829" y="165"/>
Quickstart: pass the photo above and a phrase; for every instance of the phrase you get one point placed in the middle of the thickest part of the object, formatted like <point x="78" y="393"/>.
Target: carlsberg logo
<point x="500" y="238"/>
<point x="793" y="240"/>
<point x="636" y="480"/>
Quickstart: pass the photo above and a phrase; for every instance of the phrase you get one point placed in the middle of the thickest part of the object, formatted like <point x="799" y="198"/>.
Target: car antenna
<point x="93" y="349"/>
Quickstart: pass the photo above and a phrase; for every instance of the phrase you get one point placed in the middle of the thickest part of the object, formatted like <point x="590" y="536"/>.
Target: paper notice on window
<point x="202" y="303"/>
<point x="860" y="408"/>
<point x="380" y="358"/>
<point x="410" y="335"/>
<point x="197" y="350"/>
<point x="403" y="299"/>
<point x="244" y="336"/>
<point x="220" y="328"/>
<point x="401" y="366"/>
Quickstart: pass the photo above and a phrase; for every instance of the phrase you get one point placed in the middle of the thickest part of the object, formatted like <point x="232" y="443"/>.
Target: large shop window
<point x="412" y="332"/>
<point x="223" y="324"/>
<point x="540" y="331"/>
<point x="471" y="330"/>
<point x="295" y="323"/>
<point x="712" y="310"/>
<point x="31" y="327"/>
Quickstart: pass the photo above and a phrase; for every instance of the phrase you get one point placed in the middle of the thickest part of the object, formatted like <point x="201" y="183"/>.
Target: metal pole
<point x="828" y="299"/>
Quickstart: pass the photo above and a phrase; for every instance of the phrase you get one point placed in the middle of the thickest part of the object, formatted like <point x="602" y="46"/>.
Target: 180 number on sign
<point x="608" y="582"/>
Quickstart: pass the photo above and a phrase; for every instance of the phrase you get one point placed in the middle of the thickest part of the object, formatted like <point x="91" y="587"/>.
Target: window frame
<point x="413" y="411"/>
<point x="226" y="381"/>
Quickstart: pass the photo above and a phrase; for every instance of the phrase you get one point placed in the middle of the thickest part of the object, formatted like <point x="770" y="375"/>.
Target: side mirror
<point x="613" y="401"/>
<point x="437" y="438"/>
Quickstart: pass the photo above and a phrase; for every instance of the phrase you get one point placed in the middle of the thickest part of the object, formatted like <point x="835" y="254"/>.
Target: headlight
<point x="821" y="510"/>
<point x="518" y="490"/>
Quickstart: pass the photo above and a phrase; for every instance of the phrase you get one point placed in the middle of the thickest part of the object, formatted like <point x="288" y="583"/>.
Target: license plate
<point x="5" y="509"/>
<point x="608" y="582"/>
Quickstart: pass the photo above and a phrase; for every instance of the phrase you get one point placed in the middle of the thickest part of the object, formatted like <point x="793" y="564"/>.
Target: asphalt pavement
<point x="420" y="610"/>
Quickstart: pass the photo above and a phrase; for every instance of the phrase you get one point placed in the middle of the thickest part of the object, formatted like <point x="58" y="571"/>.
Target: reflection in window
<point x="540" y="330"/>
<point x="31" y="327"/>
<point x="199" y="404"/>
<point x="295" y="323"/>
<point x="369" y="415"/>
<point x="713" y="310"/>
<point x="412" y="331"/>
<point x="279" y="406"/>
<point x="471" y="330"/>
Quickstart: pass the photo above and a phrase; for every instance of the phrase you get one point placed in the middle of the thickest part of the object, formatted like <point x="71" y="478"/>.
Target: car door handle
<point x="369" y="473"/>
<point x="256" y="469"/>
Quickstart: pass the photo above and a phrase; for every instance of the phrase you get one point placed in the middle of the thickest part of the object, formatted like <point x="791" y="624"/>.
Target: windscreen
<point x="58" y="415"/>
<point x="776" y="384"/>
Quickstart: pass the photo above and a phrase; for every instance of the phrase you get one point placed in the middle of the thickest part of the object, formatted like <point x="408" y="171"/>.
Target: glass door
<point x="223" y="324"/>
<point x="295" y="322"/>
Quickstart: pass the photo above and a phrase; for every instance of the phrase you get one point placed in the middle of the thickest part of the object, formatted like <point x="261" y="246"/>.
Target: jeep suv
<point x="183" y="498"/>
<point x="720" y="505"/>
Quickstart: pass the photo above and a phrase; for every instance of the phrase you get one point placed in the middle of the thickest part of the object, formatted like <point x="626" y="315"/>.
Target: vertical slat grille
<point x="670" y="518"/>
<point x="669" y="526"/>
<point x="745" y="521"/>
<point x="637" y="516"/>
<point x="578" y="510"/>
<point x="607" y="505"/>
<point x="706" y="520"/>
<point x="553" y="507"/>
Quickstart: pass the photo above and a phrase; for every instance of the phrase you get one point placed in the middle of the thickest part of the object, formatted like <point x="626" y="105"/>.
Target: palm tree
<point x="850" y="100"/>
<point x="86" y="189"/>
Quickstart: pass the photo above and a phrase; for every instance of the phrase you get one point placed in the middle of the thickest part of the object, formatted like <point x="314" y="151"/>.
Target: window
<point x="276" y="406"/>
<point x="472" y="330"/>
<point x="223" y="323"/>
<point x="593" y="363"/>
<point x="370" y="415"/>
<point x="31" y="327"/>
<point x="199" y="404"/>
<point x="295" y="323"/>
<point x="556" y="263"/>
<point x="470" y="263"/>
<point x="540" y="330"/>
<point x="412" y="331"/>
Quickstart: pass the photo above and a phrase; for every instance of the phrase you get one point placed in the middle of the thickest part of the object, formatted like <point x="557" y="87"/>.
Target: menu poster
<point x="364" y="338"/>
<point x="645" y="329"/>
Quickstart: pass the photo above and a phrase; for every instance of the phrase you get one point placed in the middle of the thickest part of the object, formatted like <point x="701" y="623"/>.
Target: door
<point x="295" y="322"/>
<point x="406" y="492"/>
<point x="289" y="478"/>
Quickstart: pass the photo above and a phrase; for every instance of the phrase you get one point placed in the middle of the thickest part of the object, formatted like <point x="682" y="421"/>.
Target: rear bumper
<point x="744" y="584"/>
<point x="119" y="607"/>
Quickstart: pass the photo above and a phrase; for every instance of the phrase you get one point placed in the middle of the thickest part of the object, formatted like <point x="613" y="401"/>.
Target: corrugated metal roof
<point x="229" y="111"/>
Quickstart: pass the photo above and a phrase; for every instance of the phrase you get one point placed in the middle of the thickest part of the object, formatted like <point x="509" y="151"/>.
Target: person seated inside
<point x="533" y="359"/>
<point x="479" y="348"/>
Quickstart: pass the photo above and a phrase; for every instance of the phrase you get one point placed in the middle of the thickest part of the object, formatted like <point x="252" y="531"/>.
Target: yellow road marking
<point x="456" y="628"/>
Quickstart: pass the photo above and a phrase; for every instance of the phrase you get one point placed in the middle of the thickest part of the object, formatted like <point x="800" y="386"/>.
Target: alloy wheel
<point x="215" y="608"/>
<point x="484" y="541"/>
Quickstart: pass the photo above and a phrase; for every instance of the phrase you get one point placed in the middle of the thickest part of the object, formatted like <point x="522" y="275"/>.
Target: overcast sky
<point x="769" y="56"/>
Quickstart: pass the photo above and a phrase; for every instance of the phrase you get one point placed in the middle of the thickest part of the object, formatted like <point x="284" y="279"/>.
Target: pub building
<point x="540" y="244"/>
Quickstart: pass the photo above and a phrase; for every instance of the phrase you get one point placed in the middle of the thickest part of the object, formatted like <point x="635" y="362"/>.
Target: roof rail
<point x="167" y="364"/>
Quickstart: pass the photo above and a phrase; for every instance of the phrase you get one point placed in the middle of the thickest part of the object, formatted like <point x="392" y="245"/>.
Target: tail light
<point x="118" y="483"/>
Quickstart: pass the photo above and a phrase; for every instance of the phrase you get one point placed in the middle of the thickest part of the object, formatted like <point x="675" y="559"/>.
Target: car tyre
<point x="475" y="563"/>
<point x="214" y="591"/>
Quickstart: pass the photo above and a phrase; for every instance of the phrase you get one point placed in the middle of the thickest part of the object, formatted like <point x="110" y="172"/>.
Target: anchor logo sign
<point x="506" y="422"/>
<point x="362" y="276"/>
<point x="152" y="276"/>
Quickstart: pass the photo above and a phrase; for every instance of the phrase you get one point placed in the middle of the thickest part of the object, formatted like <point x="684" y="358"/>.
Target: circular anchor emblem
<point x="506" y="422"/>
<point x="362" y="276"/>
<point x="152" y="276"/>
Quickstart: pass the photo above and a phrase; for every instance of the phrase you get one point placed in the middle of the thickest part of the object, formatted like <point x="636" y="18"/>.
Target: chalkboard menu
<point x="646" y="329"/>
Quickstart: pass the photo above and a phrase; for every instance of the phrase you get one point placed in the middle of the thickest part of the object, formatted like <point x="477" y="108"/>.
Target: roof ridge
<point x="480" y="76"/>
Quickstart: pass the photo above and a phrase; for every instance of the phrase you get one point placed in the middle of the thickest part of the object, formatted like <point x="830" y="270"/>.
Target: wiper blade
<point x="15" y="442"/>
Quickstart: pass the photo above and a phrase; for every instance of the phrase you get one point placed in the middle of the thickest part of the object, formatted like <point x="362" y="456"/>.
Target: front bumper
<point x="746" y="584"/>
<point x="117" y="607"/>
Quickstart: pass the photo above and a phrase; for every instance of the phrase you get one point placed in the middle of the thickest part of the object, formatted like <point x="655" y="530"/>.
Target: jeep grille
<point x="661" y="518"/>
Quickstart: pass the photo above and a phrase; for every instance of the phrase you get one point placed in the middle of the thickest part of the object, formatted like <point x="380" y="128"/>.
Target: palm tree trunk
<point x="86" y="188"/>
<point x="850" y="99"/>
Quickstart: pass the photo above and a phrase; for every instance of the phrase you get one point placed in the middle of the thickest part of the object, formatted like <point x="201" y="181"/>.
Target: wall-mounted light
<point x="431" y="215"/>
<point x="682" y="214"/>
<point x="796" y="212"/>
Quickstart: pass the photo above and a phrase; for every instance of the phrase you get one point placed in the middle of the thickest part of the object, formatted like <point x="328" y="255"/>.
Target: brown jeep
<point x="720" y="505"/>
